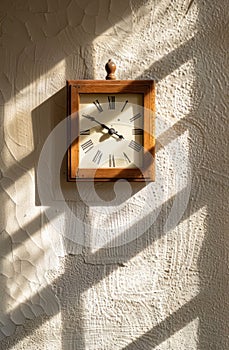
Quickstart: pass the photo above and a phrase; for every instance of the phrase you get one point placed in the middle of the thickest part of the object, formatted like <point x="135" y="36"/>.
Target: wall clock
<point x="112" y="124"/>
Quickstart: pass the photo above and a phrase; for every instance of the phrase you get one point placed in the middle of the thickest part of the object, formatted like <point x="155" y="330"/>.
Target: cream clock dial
<point x="111" y="130"/>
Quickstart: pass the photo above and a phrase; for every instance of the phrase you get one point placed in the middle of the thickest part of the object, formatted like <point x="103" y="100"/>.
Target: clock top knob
<point x="110" y="69"/>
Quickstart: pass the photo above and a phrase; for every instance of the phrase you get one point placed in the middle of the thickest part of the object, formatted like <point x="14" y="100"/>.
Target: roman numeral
<point x="111" y="100"/>
<point x="135" y="146"/>
<point x="98" y="105"/>
<point x="111" y="160"/>
<point x="87" y="146"/>
<point x="85" y="132"/>
<point x="136" y="116"/>
<point x="97" y="157"/>
<point x="124" y="106"/>
<point x="126" y="157"/>
<point x="137" y="131"/>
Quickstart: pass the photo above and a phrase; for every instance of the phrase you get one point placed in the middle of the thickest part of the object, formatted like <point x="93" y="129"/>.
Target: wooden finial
<point x="110" y="68"/>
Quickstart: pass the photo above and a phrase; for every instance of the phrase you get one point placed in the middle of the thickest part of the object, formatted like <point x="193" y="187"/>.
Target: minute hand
<point x="111" y="131"/>
<point x="94" y="120"/>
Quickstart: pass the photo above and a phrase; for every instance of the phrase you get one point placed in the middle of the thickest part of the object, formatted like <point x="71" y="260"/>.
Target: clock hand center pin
<point x="112" y="131"/>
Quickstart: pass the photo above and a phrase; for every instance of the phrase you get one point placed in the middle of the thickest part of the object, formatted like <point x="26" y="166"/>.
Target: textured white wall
<point x="168" y="288"/>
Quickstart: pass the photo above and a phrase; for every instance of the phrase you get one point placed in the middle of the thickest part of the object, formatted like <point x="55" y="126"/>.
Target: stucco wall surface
<point x="167" y="286"/>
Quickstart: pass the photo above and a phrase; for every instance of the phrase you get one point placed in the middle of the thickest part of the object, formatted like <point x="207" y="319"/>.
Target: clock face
<point x="111" y="130"/>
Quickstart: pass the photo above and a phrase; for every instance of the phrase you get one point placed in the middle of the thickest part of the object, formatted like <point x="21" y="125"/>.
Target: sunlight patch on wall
<point x="175" y="93"/>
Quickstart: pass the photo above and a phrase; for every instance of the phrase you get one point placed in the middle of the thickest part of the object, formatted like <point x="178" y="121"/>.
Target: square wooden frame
<point x="144" y="87"/>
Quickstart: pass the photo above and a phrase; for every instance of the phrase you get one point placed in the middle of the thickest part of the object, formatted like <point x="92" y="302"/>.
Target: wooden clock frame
<point x="144" y="87"/>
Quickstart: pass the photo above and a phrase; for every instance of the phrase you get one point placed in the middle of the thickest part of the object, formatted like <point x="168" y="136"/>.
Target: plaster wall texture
<point x="167" y="287"/>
